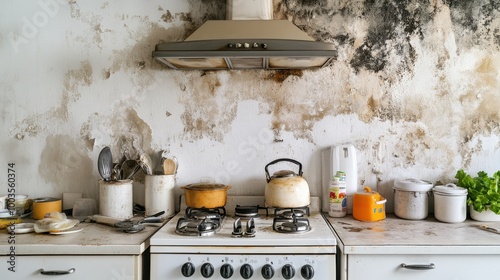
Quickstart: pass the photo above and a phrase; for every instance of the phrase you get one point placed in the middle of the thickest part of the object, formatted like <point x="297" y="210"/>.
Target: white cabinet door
<point x="446" y="267"/>
<point x="121" y="267"/>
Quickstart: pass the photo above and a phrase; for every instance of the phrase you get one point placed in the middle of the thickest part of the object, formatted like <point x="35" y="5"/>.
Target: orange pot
<point x="368" y="206"/>
<point x="206" y="195"/>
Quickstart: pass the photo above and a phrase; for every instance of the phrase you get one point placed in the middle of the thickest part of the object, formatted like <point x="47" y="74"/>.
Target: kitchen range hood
<point x="246" y="44"/>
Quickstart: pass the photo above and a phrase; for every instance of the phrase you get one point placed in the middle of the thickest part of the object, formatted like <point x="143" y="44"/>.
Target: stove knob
<point x="288" y="271"/>
<point x="207" y="270"/>
<point x="187" y="269"/>
<point x="226" y="271"/>
<point x="267" y="271"/>
<point x="246" y="271"/>
<point x="307" y="271"/>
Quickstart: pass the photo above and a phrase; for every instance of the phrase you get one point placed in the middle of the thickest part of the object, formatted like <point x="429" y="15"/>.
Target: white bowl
<point x="485" y="216"/>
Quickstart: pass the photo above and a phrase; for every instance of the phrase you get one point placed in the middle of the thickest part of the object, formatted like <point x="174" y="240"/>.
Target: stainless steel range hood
<point x="246" y="44"/>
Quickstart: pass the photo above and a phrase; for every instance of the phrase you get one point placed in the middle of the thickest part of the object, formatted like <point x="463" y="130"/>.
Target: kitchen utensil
<point x="105" y="163"/>
<point x="339" y="158"/>
<point x="169" y="166"/>
<point x="115" y="198"/>
<point x="450" y="203"/>
<point x="159" y="194"/>
<point x="203" y="195"/>
<point x="146" y="163"/>
<point x="129" y="168"/>
<point x="286" y="189"/>
<point x="411" y="198"/>
<point x="45" y="205"/>
<point x="490" y="229"/>
<point x="368" y="206"/>
<point x="117" y="172"/>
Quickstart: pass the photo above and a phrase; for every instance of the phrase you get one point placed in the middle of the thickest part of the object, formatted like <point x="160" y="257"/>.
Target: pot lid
<point x="284" y="173"/>
<point x="449" y="189"/>
<point x="413" y="185"/>
<point x="368" y="191"/>
<point x="206" y="186"/>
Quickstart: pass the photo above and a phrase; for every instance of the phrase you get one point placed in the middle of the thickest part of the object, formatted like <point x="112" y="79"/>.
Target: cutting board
<point x="339" y="158"/>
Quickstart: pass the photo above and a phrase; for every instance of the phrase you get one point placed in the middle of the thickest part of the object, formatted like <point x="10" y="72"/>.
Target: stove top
<point x="272" y="229"/>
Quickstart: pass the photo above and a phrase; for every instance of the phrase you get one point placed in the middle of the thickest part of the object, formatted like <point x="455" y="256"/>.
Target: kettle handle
<point x="268" y="178"/>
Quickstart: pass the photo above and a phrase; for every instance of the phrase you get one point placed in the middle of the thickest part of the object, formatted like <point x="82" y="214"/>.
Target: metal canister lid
<point x="413" y="185"/>
<point x="450" y="190"/>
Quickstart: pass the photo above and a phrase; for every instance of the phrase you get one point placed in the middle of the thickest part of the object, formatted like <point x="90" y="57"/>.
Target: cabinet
<point x="96" y="252"/>
<point x="74" y="267"/>
<point x="415" y="249"/>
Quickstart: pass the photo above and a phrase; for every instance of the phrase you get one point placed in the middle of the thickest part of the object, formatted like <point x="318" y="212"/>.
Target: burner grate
<point x="291" y="220"/>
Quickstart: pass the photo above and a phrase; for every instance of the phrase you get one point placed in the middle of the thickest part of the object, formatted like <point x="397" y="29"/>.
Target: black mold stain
<point x="473" y="19"/>
<point x="392" y="24"/>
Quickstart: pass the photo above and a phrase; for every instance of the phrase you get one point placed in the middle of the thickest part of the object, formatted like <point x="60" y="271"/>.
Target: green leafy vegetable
<point x="483" y="191"/>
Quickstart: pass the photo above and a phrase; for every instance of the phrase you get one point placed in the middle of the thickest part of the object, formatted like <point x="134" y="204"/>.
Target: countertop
<point x="429" y="236"/>
<point x="94" y="239"/>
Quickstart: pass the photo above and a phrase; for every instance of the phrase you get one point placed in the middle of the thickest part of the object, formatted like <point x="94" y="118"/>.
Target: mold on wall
<point x="414" y="87"/>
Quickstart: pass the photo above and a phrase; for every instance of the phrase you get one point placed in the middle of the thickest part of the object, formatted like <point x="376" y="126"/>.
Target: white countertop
<point x="94" y="239"/>
<point x="398" y="236"/>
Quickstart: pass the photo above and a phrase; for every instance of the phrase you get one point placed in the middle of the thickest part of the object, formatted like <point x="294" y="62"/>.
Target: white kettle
<point x="286" y="189"/>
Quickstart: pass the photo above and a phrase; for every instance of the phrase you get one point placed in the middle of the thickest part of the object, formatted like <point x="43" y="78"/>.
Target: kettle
<point x="285" y="188"/>
<point x="368" y="206"/>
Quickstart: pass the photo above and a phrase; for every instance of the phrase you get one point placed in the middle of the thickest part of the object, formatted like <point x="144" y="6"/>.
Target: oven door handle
<point x="418" y="266"/>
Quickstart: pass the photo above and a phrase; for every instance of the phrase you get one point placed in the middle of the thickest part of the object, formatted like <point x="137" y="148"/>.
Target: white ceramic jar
<point x="411" y="198"/>
<point x="450" y="203"/>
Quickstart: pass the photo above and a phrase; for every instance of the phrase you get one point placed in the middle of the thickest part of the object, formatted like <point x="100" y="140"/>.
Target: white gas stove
<point x="226" y="246"/>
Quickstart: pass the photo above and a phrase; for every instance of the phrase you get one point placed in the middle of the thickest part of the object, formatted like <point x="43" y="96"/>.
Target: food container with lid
<point x="368" y="206"/>
<point x="450" y="203"/>
<point x="411" y="198"/>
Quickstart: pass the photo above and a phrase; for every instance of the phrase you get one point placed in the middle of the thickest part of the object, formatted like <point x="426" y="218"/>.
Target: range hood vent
<point x="246" y="44"/>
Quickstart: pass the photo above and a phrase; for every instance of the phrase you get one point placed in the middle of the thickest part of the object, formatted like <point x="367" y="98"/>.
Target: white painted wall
<point x="78" y="75"/>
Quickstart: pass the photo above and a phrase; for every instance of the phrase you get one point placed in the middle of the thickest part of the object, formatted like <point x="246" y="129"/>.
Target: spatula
<point x="169" y="166"/>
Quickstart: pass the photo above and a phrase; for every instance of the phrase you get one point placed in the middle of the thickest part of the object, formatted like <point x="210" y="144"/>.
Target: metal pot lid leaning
<point x="412" y="185"/>
<point x="449" y="190"/>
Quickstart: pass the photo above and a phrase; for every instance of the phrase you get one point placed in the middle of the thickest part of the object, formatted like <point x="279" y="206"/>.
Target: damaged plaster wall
<point x="414" y="88"/>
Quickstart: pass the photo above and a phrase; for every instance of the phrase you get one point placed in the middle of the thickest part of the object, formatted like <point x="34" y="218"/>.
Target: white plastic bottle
<point x="338" y="199"/>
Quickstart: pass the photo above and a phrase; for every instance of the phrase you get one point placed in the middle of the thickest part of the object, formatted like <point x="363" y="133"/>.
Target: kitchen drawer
<point x="383" y="267"/>
<point x="86" y="267"/>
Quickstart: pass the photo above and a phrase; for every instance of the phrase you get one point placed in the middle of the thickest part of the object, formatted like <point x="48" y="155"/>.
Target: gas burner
<point x="193" y="227"/>
<point x="200" y="221"/>
<point x="292" y="212"/>
<point x="291" y="220"/>
<point x="249" y="211"/>
<point x="205" y="213"/>
<point x="294" y="225"/>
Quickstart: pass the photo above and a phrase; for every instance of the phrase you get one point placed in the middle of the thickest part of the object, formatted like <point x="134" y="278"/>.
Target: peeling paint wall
<point x="415" y="89"/>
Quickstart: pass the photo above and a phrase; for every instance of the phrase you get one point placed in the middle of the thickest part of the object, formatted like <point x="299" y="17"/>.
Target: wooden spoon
<point x="169" y="166"/>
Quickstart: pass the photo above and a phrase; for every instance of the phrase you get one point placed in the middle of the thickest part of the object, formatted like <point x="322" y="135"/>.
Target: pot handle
<point x="268" y="178"/>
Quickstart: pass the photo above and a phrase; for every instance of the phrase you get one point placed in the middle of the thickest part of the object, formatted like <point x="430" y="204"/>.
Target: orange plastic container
<point x="368" y="206"/>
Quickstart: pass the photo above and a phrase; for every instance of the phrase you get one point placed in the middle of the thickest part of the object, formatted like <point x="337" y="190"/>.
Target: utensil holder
<point x="160" y="194"/>
<point x="115" y="198"/>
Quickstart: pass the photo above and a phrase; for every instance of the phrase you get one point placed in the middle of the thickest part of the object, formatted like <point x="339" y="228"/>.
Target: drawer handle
<point x="57" y="272"/>
<point x="418" y="266"/>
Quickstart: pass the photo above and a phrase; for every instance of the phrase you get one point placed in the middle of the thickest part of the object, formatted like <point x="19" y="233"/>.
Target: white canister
<point x="115" y="199"/>
<point x="411" y="198"/>
<point x="450" y="203"/>
<point x="160" y="194"/>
